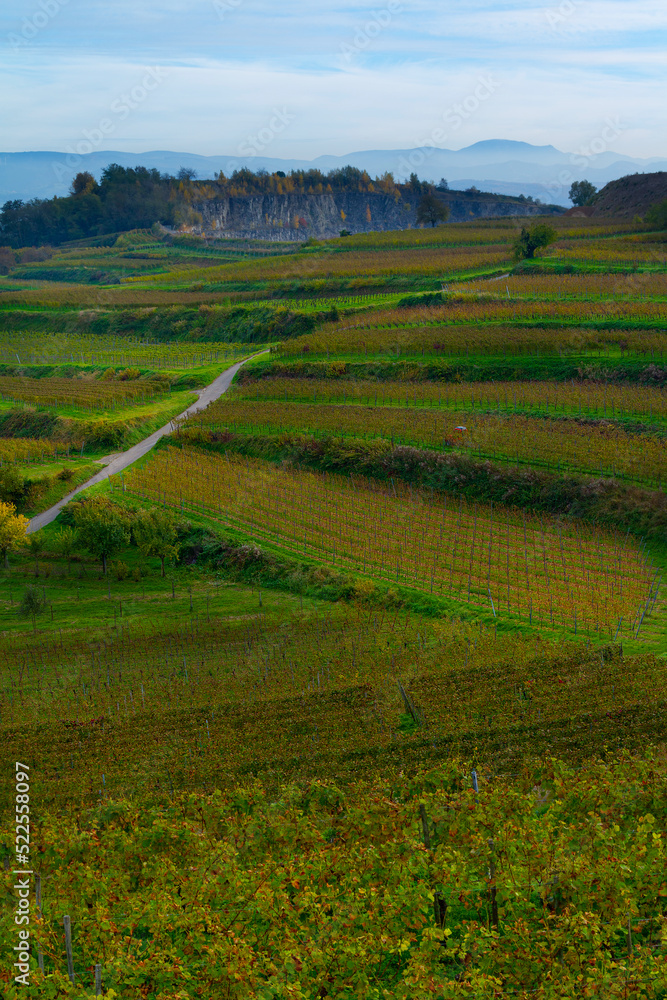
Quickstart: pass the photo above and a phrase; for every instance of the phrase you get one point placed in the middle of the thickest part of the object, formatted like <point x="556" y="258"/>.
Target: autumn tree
<point x="13" y="530"/>
<point x="102" y="529"/>
<point x="155" y="534"/>
<point x="83" y="183"/>
<point x="431" y="210"/>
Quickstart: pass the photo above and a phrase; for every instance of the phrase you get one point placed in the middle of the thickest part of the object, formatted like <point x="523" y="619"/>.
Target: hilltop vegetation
<point x="127" y="199"/>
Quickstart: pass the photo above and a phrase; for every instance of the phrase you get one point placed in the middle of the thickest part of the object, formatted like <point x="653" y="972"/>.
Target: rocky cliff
<point x="300" y="216"/>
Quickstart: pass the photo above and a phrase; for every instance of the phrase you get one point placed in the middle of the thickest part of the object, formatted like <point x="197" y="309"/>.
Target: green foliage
<point x="121" y="570"/>
<point x="102" y="528"/>
<point x="431" y="210"/>
<point x="66" y="542"/>
<point x="550" y="884"/>
<point x="155" y="533"/>
<point x="539" y="235"/>
<point x="214" y="324"/>
<point x="582" y="193"/>
<point x="656" y="217"/>
<point x="125" y="198"/>
<point x="31" y="604"/>
<point x="12" y="484"/>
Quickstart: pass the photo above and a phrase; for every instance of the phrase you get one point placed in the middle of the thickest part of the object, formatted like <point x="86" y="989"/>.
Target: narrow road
<point x="205" y="396"/>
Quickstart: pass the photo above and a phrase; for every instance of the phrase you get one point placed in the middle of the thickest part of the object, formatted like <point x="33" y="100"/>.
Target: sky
<point x="301" y="79"/>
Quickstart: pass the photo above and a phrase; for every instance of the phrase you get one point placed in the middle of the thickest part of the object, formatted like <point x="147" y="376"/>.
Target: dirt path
<point x="120" y="462"/>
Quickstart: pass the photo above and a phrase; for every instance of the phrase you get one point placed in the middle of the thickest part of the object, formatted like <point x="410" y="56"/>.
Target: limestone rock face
<point x="299" y="216"/>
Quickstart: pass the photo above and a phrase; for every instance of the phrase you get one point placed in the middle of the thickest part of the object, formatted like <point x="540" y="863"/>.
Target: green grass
<point x="82" y="470"/>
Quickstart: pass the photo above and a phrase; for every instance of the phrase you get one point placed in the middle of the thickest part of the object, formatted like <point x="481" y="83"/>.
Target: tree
<point x="442" y="184"/>
<point x="431" y="210"/>
<point x="540" y="234"/>
<point x="582" y="192"/>
<point x="13" y="529"/>
<point x="656" y="217"/>
<point x="12" y="486"/>
<point x="65" y="541"/>
<point x="83" y="183"/>
<point x="32" y="604"/>
<point x="186" y="174"/>
<point x="155" y="534"/>
<point x="101" y="528"/>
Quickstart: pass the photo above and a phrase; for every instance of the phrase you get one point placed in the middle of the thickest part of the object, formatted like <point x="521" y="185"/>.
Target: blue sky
<point x="204" y="75"/>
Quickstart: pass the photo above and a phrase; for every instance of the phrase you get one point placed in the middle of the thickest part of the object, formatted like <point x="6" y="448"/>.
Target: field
<point x="354" y="685"/>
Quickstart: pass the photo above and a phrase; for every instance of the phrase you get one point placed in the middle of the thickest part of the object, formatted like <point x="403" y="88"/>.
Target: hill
<point x="508" y="166"/>
<point x="275" y="206"/>
<point x="631" y="195"/>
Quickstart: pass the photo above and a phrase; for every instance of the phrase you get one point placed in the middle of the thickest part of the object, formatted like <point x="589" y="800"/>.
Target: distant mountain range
<point x="501" y="166"/>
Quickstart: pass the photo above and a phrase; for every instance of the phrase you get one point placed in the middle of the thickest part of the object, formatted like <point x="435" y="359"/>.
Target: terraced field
<point x="355" y="684"/>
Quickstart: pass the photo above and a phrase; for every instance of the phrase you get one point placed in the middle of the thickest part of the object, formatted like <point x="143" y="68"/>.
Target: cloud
<point x="354" y="77"/>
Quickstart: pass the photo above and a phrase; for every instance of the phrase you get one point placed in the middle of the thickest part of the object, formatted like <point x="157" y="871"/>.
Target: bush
<point x="120" y="570"/>
<point x="12" y="485"/>
<point x="656" y="217"/>
<point x="65" y="474"/>
<point x="540" y="234"/>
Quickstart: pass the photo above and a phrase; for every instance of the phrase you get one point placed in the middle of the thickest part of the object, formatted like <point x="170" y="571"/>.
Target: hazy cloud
<point x="353" y="76"/>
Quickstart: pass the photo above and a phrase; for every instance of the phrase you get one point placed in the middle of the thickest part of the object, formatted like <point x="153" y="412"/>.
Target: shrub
<point x="32" y="604"/>
<point x="120" y="570"/>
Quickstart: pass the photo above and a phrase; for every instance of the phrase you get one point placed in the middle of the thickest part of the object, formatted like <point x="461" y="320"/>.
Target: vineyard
<point x="511" y="564"/>
<point x="155" y="696"/>
<point x="583" y="287"/>
<point x="557" y="444"/>
<point x="552" y="885"/>
<point x="41" y="348"/>
<point x="430" y="261"/>
<point x="29" y="449"/>
<point x="90" y="394"/>
<point x="609" y="401"/>
<point x="354" y="685"/>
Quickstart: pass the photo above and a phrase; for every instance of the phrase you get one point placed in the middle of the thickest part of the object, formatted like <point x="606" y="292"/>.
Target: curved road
<point x="205" y="396"/>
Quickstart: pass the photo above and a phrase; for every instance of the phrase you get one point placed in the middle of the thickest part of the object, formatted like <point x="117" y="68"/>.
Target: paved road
<point x="120" y="462"/>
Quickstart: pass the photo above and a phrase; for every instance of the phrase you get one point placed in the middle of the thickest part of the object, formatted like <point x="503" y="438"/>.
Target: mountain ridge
<point x="505" y="166"/>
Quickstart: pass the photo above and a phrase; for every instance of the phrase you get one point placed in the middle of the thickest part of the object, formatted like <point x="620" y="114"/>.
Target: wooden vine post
<point x="68" y="947"/>
<point x="439" y="901"/>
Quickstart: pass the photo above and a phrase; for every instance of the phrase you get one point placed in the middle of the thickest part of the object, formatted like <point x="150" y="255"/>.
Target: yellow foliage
<point x="13" y="528"/>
